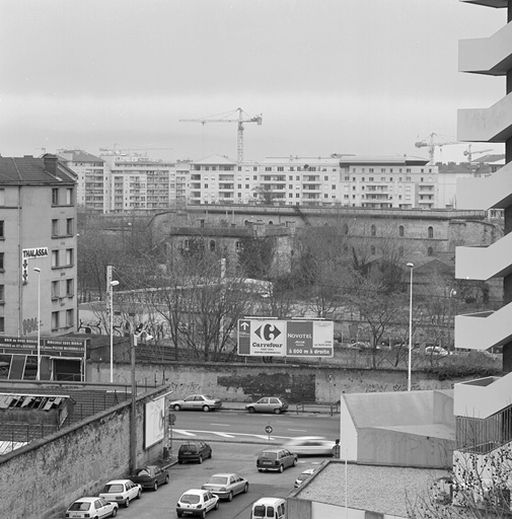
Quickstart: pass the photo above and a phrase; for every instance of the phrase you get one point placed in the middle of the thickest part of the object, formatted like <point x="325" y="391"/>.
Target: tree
<point x="256" y="256"/>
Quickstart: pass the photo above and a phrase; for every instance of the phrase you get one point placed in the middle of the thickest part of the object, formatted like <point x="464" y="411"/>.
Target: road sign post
<point x="268" y="430"/>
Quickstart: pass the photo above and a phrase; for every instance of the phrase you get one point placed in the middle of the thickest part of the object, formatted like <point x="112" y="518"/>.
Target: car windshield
<point x="191" y="499"/>
<point x="114" y="488"/>
<point x="269" y="454"/>
<point x="142" y="472"/>
<point x="218" y="480"/>
<point x="80" y="505"/>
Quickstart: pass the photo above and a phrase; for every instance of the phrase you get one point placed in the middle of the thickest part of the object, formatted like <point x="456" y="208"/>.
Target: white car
<point x="196" y="502"/>
<point x="121" y="491"/>
<point x="92" y="507"/>
<point x="197" y="402"/>
<point x="310" y="446"/>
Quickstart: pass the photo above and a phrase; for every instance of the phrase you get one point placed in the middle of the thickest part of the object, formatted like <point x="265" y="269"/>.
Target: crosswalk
<point x="189" y="433"/>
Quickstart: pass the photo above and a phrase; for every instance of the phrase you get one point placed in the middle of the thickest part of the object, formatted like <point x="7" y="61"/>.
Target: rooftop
<point x="29" y="170"/>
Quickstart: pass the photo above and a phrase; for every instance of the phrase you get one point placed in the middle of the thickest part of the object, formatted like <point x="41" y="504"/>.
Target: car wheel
<point x="210" y="455"/>
<point x="127" y="503"/>
<point x="206" y="408"/>
<point x="230" y="497"/>
<point x="155" y="486"/>
<point x="260" y="470"/>
<point x="114" y="512"/>
<point x="281" y="468"/>
<point x="294" y="461"/>
<point x="178" y="514"/>
<point x="277" y="411"/>
<point x="251" y="409"/>
<point x="177" y="407"/>
<point x="180" y="462"/>
<point x="139" y="494"/>
<point x="200" y="459"/>
<point x="167" y="479"/>
<point x="203" y="514"/>
<point x="246" y="488"/>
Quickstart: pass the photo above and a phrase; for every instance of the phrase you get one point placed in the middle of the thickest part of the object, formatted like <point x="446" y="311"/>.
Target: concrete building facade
<point x="38" y="224"/>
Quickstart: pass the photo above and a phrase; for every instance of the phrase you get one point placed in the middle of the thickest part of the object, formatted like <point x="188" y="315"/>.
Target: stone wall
<point x="241" y="383"/>
<point x="78" y="460"/>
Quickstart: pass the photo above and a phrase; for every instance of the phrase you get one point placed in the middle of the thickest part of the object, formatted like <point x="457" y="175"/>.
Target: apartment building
<point x="93" y="186"/>
<point x="483" y="407"/>
<point x="38" y="231"/>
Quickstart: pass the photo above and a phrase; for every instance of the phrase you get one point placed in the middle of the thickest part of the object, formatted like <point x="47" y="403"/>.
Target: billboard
<point x="291" y="338"/>
<point x="154" y="421"/>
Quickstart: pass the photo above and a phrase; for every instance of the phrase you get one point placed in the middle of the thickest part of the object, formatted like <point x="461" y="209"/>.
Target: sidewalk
<point x="324" y="409"/>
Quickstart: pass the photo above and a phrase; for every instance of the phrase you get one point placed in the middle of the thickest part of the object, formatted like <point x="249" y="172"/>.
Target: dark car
<point x="275" y="459"/>
<point x="150" y="476"/>
<point x="194" y="451"/>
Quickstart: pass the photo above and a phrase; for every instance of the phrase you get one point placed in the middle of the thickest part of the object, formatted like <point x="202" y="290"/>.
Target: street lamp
<point x="411" y="267"/>
<point x="38" y="374"/>
<point x="113" y="284"/>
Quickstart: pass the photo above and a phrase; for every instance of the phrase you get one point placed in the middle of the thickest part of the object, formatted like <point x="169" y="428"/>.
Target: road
<point x="245" y="427"/>
<point x="227" y="457"/>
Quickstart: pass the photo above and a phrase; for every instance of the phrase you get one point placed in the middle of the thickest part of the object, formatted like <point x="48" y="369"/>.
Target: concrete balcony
<point x="482" y="397"/>
<point x="483" y="330"/>
<point x="492" y="124"/>
<point x="494" y="192"/>
<point x="491" y="55"/>
<point x="483" y="263"/>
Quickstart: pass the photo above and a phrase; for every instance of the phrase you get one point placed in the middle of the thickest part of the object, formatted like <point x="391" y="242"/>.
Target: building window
<point x="69" y="257"/>
<point x="55" y="258"/>
<point x="2" y="196"/>
<point x="430" y="251"/>
<point x="373" y="230"/>
<point x="69" y="196"/>
<point x="2" y="324"/>
<point x="238" y="245"/>
<point x="430" y="232"/>
<point x="69" y="287"/>
<point x="55" y="228"/>
<point x="345" y="229"/>
<point x="212" y="245"/>
<point x="372" y="249"/>
<point x="55" y="289"/>
<point x="69" y="318"/>
<point x="2" y="293"/>
<point x="401" y="230"/>
<point x="69" y="226"/>
<point x="55" y="196"/>
<point x="55" y="321"/>
<point x="1" y="261"/>
<point x="2" y="236"/>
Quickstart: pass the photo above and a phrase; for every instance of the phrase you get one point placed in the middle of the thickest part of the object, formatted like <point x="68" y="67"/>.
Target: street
<point x="227" y="457"/>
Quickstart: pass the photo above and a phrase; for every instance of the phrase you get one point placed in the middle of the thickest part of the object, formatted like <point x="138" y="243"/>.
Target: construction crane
<point x="469" y="154"/>
<point x="242" y="118"/>
<point x="431" y="145"/>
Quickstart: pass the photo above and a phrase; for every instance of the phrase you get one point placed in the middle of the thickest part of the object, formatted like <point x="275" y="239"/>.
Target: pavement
<point x="323" y="409"/>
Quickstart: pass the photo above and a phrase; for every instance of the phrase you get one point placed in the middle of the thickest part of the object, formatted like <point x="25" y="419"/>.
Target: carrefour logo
<point x="268" y="332"/>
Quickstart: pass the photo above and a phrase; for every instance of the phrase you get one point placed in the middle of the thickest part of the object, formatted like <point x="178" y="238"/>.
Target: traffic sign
<point x="268" y="429"/>
<point x="294" y="338"/>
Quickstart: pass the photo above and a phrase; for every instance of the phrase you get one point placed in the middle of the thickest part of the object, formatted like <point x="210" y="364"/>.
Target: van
<point x="269" y="508"/>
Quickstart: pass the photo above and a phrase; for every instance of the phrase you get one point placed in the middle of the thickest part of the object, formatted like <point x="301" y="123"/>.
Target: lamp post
<point x="113" y="284"/>
<point x="38" y="374"/>
<point x="411" y="268"/>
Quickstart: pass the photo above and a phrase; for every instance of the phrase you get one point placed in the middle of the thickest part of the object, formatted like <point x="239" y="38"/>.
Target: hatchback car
<point x="93" y="507"/>
<point x="310" y="446"/>
<point x="275" y="459"/>
<point x="226" y="485"/>
<point x="303" y="476"/>
<point x="197" y="403"/>
<point x="436" y="350"/>
<point x="268" y="404"/>
<point x="150" y="476"/>
<point x="121" y="491"/>
<point x="194" y="451"/>
<point x="196" y="502"/>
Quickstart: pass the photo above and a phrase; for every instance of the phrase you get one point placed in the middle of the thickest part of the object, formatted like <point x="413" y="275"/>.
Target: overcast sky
<point x="329" y="76"/>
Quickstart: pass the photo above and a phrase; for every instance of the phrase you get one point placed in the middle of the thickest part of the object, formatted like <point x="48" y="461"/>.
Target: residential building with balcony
<point x="38" y="230"/>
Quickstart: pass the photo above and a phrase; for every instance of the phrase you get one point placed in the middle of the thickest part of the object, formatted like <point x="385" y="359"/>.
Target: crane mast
<point x="240" y="121"/>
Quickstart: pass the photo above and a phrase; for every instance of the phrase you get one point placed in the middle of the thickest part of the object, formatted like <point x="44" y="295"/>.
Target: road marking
<point x="221" y="424"/>
<point x="298" y="430"/>
<point x="186" y="433"/>
<point x="224" y="435"/>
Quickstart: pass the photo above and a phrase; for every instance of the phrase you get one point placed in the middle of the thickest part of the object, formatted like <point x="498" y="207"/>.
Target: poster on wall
<point x="154" y="422"/>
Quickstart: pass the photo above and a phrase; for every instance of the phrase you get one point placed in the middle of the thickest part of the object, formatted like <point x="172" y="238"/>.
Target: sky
<point x="328" y="76"/>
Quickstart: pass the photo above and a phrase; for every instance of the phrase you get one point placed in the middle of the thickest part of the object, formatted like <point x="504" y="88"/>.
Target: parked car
<point x="226" y="485"/>
<point x="436" y="350"/>
<point x="194" y="451"/>
<point x="196" y="501"/>
<point x="269" y="507"/>
<point x="150" y="476"/>
<point x="275" y="459"/>
<point x="121" y="491"/>
<point x="92" y="507"/>
<point x="303" y="476"/>
<point x="268" y="404"/>
<point x="197" y="403"/>
<point x="310" y="446"/>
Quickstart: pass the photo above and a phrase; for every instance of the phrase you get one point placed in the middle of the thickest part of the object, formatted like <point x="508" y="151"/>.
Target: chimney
<point x="50" y="163"/>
